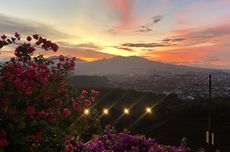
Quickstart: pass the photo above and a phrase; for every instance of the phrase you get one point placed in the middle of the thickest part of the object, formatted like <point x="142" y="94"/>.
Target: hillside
<point x="172" y="118"/>
<point x="133" y="66"/>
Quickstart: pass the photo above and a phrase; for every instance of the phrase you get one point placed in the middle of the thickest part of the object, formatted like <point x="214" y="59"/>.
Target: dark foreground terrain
<point x="172" y="118"/>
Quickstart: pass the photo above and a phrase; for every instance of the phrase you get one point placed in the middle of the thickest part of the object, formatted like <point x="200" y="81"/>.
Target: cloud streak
<point x="124" y="48"/>
<point x="146" y="45"/>
<point x="216" y="35"/>
<point x="179" y="39"/>
<point x="10" y="25"/>
<point x="157" y="19"/>
<point x="82" y="51"/>
<point x="88" y="45"/>
<point x="149" y="26"/>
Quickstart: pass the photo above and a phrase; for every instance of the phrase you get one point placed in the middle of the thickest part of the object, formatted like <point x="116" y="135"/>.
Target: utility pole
<point x="209" y="134"/>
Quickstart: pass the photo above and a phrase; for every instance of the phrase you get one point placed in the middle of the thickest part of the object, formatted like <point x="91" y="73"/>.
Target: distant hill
<point x="133" y="66"/>
<point x="56" y="59"/>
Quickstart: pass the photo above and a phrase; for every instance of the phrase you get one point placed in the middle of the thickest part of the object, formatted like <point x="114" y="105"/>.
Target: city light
<point x="148" y="110"/>
<point x="126" y="111"/>
<point x="105" y="111"/>
<point x="86" y="111"/>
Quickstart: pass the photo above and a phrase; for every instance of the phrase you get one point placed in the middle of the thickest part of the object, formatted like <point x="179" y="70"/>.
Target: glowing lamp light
<point x="126" y="111"/>
<point x="105" y="111"/>
<point x="86" y="111"/>
<point x="148" y="110"/>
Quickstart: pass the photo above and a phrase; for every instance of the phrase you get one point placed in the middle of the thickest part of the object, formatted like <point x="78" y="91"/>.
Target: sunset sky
<point x="188" y="32"/>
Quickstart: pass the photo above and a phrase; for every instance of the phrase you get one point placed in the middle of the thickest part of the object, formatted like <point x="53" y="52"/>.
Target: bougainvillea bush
<point x="38" y="109"/>
<point x="110" y="141"/>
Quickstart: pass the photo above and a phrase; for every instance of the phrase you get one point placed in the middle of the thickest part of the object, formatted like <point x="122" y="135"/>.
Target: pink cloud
<point x="216" y="35"/>
<point x="184" y="16"/>
<point x="124" y="9"/>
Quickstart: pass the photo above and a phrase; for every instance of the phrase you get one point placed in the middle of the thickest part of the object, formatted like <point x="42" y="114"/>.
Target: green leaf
<point x="1" y="150"/>
<point x="34" y="123"/>
<point x="43" y="123"/>
<point x="22" y="125"/>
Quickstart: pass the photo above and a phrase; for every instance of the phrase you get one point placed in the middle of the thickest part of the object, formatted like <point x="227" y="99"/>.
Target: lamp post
<point x="209" y="134"/>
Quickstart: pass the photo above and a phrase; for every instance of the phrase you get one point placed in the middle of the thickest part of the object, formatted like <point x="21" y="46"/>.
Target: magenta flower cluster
<point x="110" y="141"/>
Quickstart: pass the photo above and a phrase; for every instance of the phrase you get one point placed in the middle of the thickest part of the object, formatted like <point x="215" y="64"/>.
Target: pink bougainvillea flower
<point x="29" y="38"/>
<point x="77" y="106"/>
<point x="30" y="49"/>
<point x="69" y="148"/>
<point x="92" y="92"/>
<point x="17" y="35"/>
<point x="38" y="137"/>
<point x="68" y="139"/>
<point x="66" y="112"/>
<point x="43" y="114"/>
<point x="35" y="138"/>
<point x="3" y="37"/>
<point x="51" y="120"/>
<point x="84" y="92"/>
<point x="92" y="99"/>
<point x="35" y="36"/>
<point x="3" y="133"/>
<point x="3" y="143"/>
<point x="88" y="102"/>
<point x="31" y="112"/>
<point x="28" y="91"/>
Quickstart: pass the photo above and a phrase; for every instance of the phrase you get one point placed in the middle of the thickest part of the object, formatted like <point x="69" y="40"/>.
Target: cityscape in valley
<point x="149" y="76"/>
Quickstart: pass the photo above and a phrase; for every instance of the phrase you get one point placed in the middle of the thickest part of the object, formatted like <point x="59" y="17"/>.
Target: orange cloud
<point x="184" y="56"/>
<point x="85" y="54"/>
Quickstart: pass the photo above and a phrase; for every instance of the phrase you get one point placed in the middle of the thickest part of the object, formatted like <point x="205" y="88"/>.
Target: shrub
<point x="38" y="108"/>
<point x="110" y="141"/>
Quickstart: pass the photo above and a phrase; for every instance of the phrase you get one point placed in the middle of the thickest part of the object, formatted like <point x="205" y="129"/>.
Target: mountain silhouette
<point x="132" y="65"/>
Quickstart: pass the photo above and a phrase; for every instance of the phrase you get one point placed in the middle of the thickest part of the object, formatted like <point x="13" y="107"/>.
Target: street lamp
<point x="148" y="110"/>
<point x="126" y="111"/>
<point x="86" y="111"/>
<point x="105" y="111"/>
